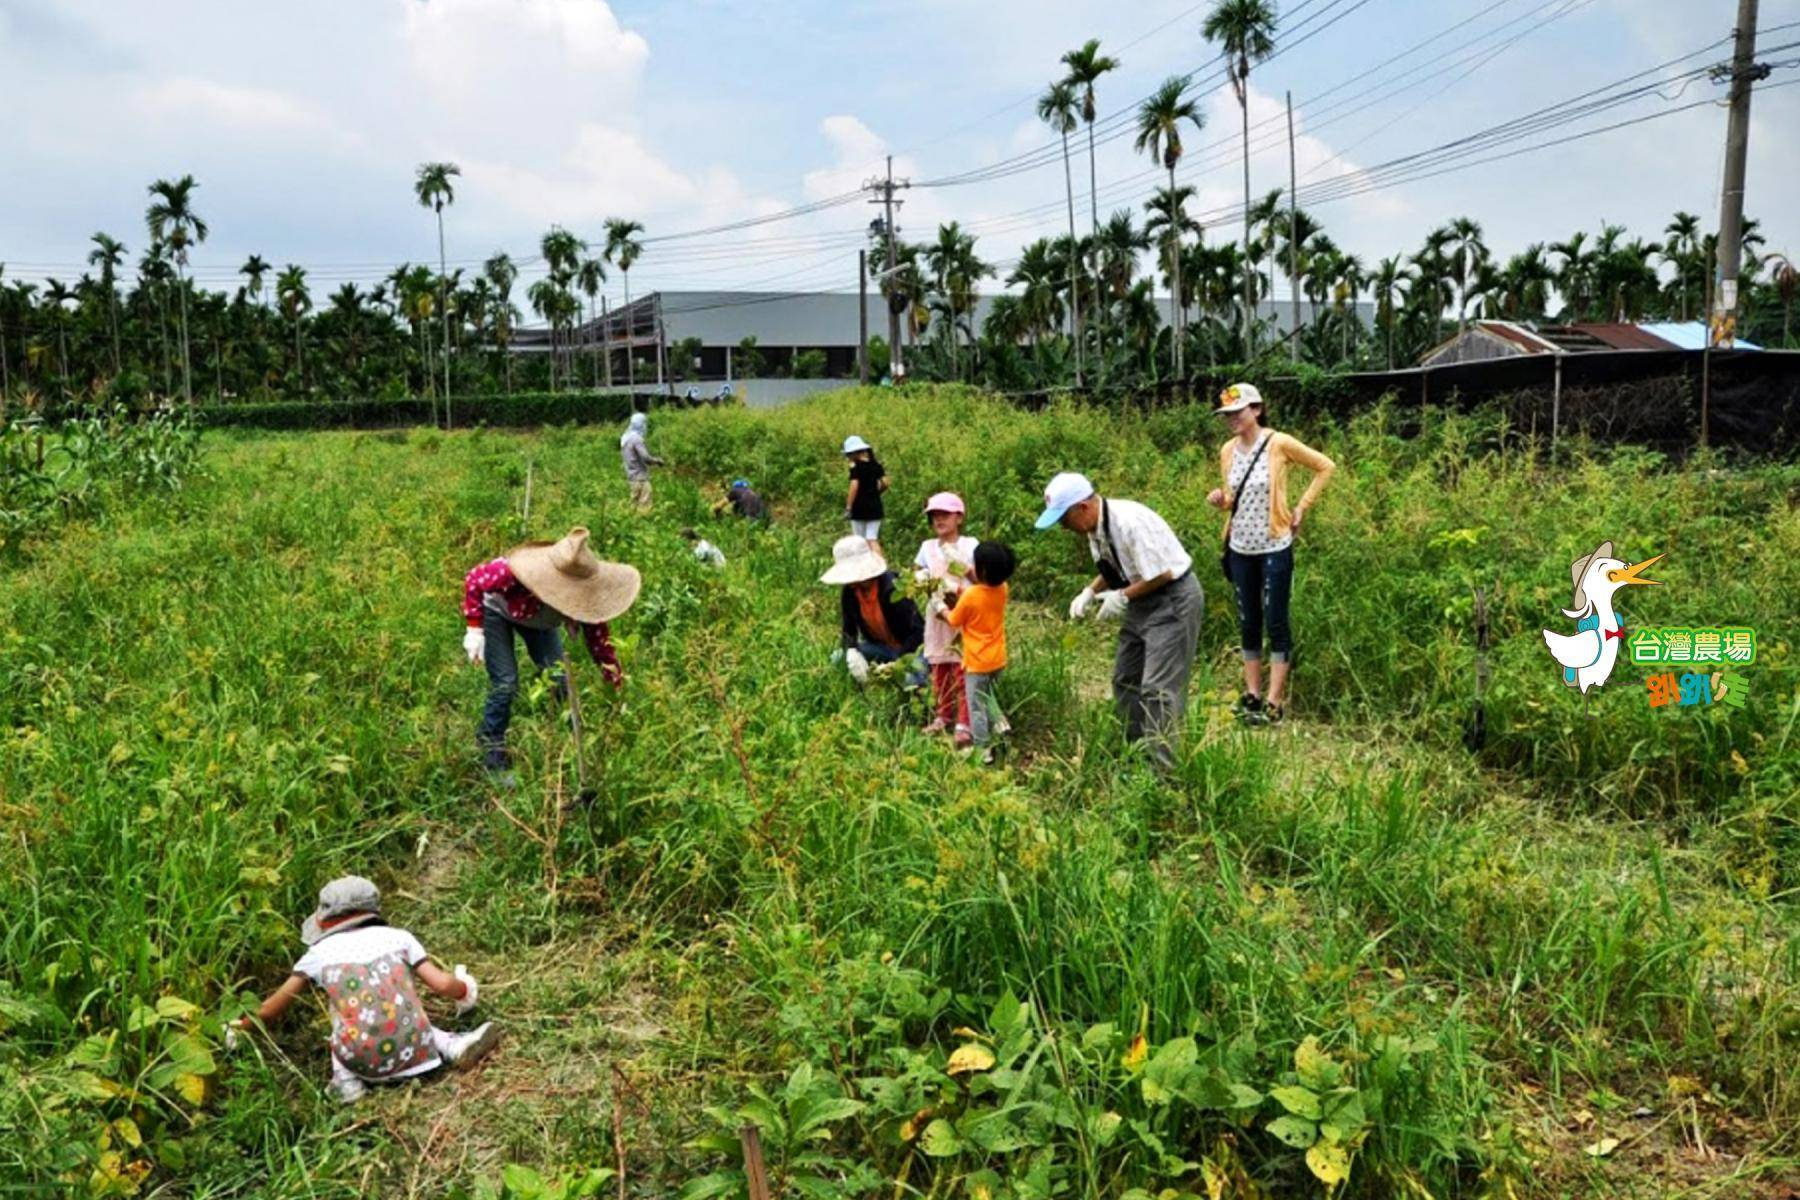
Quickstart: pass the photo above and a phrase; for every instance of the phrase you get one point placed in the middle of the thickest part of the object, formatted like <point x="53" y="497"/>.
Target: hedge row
<point x="518" y="409"/>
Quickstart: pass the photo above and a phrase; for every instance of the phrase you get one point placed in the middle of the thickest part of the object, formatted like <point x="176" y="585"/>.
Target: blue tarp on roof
<point x="1687" y="335"/>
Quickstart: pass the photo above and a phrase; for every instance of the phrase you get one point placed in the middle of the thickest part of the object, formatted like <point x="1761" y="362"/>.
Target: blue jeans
<point x="545" y="648"/>
<point x="875" y="652"/>
<point x="1264" y="584"/>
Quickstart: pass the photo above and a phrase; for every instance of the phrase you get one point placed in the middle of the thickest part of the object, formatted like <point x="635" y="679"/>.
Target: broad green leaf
<point x="709" y="1187"/>
<point x="1330" y="1163"/>
<point x="1243" y="1096"/>
<point x="190" y="1054"/>
<point x="1295" y="1131"/>
<point x="521" y="1181"/>
<point x="1106" y="1127"/>
<point x="1097" y="1036"/>
<point x="1298" y="1100"/>
<point x="982" y="1185"/>
<point x="174" y="1008"/>
<point x="939" y="1139"/>
<point x="142" y="1017"/>
<point x="827" y="1111"/>
<point x="1317" y="1069"/>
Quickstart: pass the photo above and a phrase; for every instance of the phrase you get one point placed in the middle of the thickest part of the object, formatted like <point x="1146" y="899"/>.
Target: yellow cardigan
<point x="1282" y="450"/>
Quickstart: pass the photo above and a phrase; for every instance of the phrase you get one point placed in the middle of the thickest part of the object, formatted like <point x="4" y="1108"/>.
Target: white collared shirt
<point x="1146" y="546"/>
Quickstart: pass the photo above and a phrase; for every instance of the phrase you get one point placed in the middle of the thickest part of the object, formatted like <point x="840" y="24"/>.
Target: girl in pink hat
<point x="943" y="563"/>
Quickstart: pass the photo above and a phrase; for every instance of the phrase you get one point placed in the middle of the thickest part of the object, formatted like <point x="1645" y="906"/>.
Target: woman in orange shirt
<point x="980" y="614"/>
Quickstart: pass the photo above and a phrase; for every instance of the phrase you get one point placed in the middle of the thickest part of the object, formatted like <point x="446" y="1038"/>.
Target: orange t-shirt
<point x="980" y="613"/>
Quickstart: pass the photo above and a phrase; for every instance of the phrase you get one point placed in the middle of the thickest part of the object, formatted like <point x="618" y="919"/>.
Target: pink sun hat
<point x="946" y="502"/>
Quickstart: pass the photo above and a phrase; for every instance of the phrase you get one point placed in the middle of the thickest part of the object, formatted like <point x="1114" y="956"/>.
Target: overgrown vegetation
<point x="1340" y="953"/>
<point x="77" y="467"/>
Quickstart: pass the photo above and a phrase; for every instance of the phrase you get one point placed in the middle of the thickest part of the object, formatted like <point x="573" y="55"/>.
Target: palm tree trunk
<point x="1074" y="287"/>
<point x="187" y="372"/>
<point x="1175" y="305"/>
<point x="1094" y="232"/>
<point x="444" y="308"/>
<point x="114" y="308"/>
<point x="1249" y="304"/>
<point x="630" y="332"/>
<point x="1390" y="337"/>
<point x="62" y="354"/>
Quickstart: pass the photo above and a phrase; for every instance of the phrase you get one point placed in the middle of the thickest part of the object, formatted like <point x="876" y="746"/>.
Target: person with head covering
<point x="868" y="479"/>
<point x="740" y="499"/>
<point x="637" y="458"/>
<point x="943" y="564"/>
<point x="876" y="625"/>
<point x="370" y="971"/>
<point x="529" y="592"/>
<point x="1146" y="582"/>
<point x="1259" y="539"/>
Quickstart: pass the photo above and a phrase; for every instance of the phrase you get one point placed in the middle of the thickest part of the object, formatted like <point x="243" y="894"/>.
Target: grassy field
<point x="1567" y="965"/>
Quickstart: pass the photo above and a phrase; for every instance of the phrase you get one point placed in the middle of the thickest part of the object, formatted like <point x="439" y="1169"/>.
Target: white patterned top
<point x="1250" y="524"/>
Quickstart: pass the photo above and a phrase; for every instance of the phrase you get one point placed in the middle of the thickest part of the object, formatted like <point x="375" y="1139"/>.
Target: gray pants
<point x="984" y="706"/>
<point x="1154" y="660"/>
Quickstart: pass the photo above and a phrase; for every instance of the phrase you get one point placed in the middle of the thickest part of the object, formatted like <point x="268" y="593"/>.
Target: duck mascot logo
<point x="1588" y="655"/>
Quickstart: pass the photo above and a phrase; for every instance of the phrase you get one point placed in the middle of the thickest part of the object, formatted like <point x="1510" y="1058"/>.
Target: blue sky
<point x="304" y="123"/>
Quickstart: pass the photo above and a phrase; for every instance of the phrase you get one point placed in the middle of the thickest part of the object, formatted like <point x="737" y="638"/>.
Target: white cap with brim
<point x="1065" y="492"/>
<point x="1238" y="397"/>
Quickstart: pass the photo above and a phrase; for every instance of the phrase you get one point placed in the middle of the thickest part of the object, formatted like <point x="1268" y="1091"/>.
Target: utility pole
<point x="862" y="317"/>
<point x="1293" y="236"/>
<point x="896" y="368"/>
<point x="606" y="339"/>
<point x="659" y="347"/>
<point x="1742" y="73"/>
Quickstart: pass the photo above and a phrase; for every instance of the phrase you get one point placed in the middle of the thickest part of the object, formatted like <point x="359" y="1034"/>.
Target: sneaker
<point x="347" y="1089"/>
<point x="1250" y="709"/>
<point x="465" y="1049"/>
<point x="989" y="757"/>
<point x="1273" y="713"/>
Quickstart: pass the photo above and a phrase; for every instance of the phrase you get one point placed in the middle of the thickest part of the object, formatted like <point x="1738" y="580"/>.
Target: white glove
<point x="936" y="607"/>
<point x="859" y="666"/>
<point x="1078" y="607"/>
<point x="469" y="996"/>
<point x="232" y="1037"/>
<point x="475" y="644"/>
<point x="1113" y="605"/>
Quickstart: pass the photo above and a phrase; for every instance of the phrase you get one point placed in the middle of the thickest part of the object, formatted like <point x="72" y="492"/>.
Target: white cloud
<point x="250" y="110"/>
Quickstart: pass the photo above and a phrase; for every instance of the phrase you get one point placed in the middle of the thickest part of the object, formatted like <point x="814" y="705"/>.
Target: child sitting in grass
<point x="980" y="614"/>
<point x="379" y="1030"/>
<point x="943" y="562"/>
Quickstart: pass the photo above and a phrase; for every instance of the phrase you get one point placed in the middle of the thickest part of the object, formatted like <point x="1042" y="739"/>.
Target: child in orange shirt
<point x="980" y="614"/>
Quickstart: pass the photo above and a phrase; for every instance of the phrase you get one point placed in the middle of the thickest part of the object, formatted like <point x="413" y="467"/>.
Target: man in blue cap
<point x="1146" y="581"/>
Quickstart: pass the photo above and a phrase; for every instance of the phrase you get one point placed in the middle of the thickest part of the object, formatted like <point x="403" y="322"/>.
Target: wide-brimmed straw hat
<point x="566" y="576"/>
<point x="346" y="902"/>
<point x="853" y="561"/>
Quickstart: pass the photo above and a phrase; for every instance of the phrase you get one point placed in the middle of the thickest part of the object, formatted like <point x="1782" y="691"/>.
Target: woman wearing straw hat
<point x="1259" y="539"/>
<point x="877" y="626"/>
<point x="638" y="460"/>
<point x="530" y="591"/>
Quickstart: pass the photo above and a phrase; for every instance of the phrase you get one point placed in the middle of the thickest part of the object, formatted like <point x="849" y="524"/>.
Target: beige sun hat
<point x="853" y="561"/>
<point x="566" y="576"/>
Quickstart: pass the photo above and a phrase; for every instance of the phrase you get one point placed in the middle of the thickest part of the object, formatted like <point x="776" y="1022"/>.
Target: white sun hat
<point x="853" y="561"/>
<point x="1238" y="397"/>
<point x="853" y="443"/>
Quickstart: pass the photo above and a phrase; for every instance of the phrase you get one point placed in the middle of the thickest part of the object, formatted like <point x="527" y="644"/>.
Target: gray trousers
<point x="1151" y="669"/>
<point x="984" y="705"/>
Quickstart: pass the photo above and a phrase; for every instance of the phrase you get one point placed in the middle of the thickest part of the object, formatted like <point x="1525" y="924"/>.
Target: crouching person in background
<point x="877" y="626"/>
<point x="369" y="971"/>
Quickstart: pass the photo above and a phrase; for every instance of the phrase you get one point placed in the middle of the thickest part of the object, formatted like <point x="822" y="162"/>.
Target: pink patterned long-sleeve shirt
<point x="522" y="604"/>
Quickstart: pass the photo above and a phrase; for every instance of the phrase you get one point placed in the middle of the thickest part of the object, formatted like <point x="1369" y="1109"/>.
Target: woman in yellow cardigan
<point x="1259" y="539"/>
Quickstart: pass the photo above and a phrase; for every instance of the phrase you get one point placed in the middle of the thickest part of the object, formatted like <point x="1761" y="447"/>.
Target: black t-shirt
<point x="868" y="476"/>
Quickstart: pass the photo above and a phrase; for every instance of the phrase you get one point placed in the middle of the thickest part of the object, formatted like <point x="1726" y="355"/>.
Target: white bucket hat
<point x="853" y="561"/>
<point x="853" y="443"/>
<point x="349" y="901"/>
